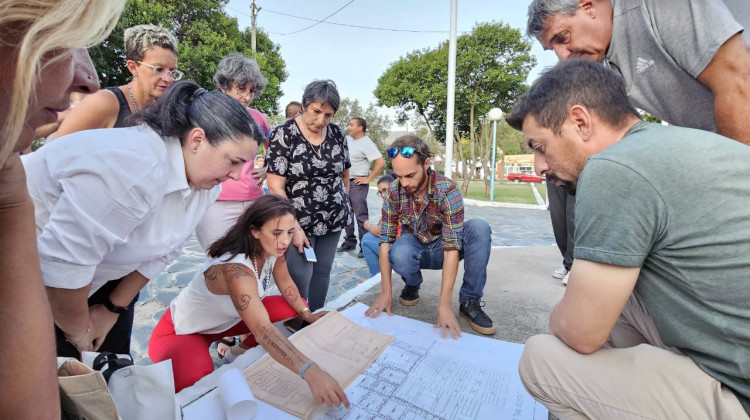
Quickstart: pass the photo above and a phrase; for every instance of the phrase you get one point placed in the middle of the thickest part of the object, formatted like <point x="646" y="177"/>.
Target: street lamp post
<point x="495" y="115"/>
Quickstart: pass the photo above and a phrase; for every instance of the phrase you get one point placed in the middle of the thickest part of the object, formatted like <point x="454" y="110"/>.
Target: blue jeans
<point x="371" y="249"/>
<point x="408" y="257"/>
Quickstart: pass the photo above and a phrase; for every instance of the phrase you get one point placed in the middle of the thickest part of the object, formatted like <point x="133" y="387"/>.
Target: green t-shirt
<point x="676" y="202"/>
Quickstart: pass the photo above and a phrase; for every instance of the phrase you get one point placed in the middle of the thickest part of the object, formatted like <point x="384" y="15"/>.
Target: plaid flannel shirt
<point x="442" y="217"/>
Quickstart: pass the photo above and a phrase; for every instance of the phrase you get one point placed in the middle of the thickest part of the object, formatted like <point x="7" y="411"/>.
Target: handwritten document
<point x="339" y="346"/>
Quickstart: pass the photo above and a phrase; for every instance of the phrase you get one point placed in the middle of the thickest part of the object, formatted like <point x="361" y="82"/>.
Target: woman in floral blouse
<point x="308" y="162"/>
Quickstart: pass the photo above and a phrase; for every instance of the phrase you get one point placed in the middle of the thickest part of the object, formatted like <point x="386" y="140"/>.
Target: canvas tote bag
<point x="84" y="393"/>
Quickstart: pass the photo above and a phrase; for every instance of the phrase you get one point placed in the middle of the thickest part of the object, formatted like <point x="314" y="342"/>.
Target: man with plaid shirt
<point x="433" y="236"/>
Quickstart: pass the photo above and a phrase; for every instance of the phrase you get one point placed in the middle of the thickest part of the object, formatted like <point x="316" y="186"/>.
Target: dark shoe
<point x="295" y="324"/>
<point x="345" y="247"/>
<point x="480" y="322"/>
<point x="409" y="296"/>
<point x="360" y="254"/>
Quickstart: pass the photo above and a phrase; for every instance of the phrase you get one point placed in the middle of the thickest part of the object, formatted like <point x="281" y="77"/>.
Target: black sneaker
<point x="345" y="247"/>
<point x="480" y="322"/>
<point x="360" y="254"/>
<point x="409" y="295"/>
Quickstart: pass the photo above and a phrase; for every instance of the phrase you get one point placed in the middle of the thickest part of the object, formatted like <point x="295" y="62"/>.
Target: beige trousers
<point x="638" y="377"/>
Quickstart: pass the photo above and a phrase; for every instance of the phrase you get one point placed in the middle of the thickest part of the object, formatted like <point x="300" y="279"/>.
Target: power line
<point x="318" y="23"/>
<point x="341" y="24"/>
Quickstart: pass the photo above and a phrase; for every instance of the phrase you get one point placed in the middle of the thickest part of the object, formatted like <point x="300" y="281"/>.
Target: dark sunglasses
<point x="406" y="152"/>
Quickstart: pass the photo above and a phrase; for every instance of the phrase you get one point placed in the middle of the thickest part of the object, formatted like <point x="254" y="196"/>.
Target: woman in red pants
<point x="227" y="297"/>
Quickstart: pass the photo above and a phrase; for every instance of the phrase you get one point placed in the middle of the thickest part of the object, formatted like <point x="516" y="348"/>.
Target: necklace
<point x="320" y="148"/>
<point x="132" y="99"/>
<point x="258" y="273"/>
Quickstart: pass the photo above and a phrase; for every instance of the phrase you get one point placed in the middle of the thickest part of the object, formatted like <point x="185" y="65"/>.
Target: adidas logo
<point x="643" y="64"/>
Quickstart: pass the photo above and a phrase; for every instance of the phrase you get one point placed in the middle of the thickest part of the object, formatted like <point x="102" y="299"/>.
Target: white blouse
<point x="109" y="202"/>
<point x="197" y="310"/>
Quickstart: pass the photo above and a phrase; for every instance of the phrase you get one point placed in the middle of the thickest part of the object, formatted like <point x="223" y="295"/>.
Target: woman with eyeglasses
<point x="113" y="207"/>
<point x="239" y="77"/>
<point x="151" y="53"/>
<point x="308" y="162"/>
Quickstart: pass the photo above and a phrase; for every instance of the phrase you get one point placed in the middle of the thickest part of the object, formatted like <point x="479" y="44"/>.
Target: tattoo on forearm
<point x="273" y="338"/>
<point x="291" y="294"/>
<point x="241" y="301"/>
<point x="212" y="273"/>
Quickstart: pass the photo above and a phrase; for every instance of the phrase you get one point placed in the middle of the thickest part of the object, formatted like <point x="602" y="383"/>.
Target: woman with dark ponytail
<point x="227" y="297"/>
<point x="114" y="206"/>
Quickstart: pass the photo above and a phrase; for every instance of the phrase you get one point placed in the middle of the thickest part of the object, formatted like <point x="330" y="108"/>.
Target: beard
<point x="569" y="186"/>
<point x="413" y="191"/>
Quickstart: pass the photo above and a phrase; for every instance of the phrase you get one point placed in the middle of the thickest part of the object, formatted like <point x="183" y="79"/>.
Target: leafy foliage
<point x="492" y="64"/>
<point x="377" y="125"/>
<point x="205" y="34"/>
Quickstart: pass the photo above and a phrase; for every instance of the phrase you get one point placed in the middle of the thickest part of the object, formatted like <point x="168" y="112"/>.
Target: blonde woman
<point x="42" y="60"/>
<point x="151" y="53"/>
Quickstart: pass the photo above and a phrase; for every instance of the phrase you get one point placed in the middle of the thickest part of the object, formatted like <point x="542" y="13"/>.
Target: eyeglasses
<point x="244" y="92"/>
<point x="406" y="152"/>
<point x="163" y="71"/>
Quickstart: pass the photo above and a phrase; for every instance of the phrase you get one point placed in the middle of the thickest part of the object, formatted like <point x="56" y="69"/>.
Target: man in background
<point x="367" y="162"/>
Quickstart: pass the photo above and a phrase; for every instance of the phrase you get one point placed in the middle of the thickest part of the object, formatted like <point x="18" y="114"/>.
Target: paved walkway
<point x="510" y="227"/>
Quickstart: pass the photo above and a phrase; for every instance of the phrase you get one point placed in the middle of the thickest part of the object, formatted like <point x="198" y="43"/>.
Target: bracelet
<point x="303" y="310"/>
<point x="114" y="308"/>
<point x="304" y="368"/>
<point x="74" y="341"/>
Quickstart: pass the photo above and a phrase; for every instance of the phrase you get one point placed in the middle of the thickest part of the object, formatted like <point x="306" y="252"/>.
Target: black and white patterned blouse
<point x="313" y="176"/>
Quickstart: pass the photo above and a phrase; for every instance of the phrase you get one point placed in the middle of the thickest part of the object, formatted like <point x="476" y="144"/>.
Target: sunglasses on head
<point x="406" y="152"/>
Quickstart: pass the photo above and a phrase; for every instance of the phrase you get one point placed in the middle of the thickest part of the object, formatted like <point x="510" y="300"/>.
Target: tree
<point x="492" y="63"/>
<point x="378" y="126"/>
<point x="205" y="34"/>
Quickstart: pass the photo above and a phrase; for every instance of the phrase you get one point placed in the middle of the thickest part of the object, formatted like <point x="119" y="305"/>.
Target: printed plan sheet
<point x="339" y="346"/>
<point x="420" y="375"/>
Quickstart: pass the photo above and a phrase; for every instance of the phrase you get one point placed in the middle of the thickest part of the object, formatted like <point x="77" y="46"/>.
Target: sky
<point x="355" y="58"/>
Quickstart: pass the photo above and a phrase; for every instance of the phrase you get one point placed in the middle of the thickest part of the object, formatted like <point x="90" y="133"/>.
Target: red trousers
<point x="191" y="359"/>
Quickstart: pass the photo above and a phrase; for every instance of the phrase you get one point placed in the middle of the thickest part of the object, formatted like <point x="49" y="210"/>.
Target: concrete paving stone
<point x="145" y="295"/>
<point x="340" y="269"/>
<point x="159" y="314"/>
<point x="362" y="274"/>
<point x="141" y="335"/>
<point x="184" y="278"/>
<point x="165" y="298"/>
<point x="180" y="266"/>
<point x="163" y="281"/>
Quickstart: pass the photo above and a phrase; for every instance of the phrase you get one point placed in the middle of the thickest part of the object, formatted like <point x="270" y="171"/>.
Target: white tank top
<point x="197" y="310"/>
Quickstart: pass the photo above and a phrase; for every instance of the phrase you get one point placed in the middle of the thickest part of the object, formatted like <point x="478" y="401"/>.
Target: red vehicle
<point x="526" y="177"/>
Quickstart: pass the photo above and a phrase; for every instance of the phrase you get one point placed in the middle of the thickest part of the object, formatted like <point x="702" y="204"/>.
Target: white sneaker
<point x="565" y="279"/>
<point x="560" y="273"/>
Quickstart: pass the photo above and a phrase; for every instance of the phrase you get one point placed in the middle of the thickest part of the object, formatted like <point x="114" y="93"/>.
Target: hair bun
<point x="198" y="92"/>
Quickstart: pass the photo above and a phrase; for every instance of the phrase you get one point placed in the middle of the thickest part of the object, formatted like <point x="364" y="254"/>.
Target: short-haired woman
<point x="114" y="206"/>
<point x="151" y="53"/>
<point x="308" y="162"/>
<point x="228" y="297"/>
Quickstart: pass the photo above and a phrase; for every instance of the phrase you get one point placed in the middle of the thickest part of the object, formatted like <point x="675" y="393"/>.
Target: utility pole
<point x="253" y="14"/>
<point x="449" y="123"/>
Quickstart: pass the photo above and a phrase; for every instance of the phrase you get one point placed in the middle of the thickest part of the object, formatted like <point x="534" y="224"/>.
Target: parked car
<point x="526" y="177"/>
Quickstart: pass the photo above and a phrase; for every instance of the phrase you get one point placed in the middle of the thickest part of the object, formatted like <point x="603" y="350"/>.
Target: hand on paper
<point x="382" y="304"/>
<point x="448" y="322"/>
<point x="324" y="388"/>
<point x="102" y="320"/>
<point x="300" y="240"/>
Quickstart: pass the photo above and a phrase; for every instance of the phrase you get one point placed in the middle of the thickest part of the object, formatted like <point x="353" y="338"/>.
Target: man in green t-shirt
<point x="654" y="322"/>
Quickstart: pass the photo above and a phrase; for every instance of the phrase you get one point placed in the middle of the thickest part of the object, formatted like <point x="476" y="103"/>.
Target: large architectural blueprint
<point x="421" y="376"/>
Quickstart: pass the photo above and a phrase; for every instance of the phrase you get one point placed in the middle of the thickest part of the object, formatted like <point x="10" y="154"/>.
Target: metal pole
<point x="451" y="92"/>
<point x="253" y="14"/>
<point x="494" y="149"/>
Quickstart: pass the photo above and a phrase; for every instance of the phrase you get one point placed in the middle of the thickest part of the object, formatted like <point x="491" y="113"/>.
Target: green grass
<point x="505" y="192"/>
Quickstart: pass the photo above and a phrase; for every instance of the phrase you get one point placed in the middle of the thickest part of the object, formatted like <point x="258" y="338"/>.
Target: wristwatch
<point x="114" y="308"/>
